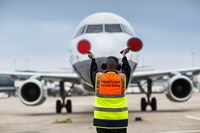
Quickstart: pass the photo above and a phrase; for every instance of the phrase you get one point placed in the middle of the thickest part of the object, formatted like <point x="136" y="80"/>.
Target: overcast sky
<point x="35" y="34"/>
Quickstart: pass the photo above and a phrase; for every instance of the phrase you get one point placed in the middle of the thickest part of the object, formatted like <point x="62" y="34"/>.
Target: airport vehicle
<point x="107" y="34"/>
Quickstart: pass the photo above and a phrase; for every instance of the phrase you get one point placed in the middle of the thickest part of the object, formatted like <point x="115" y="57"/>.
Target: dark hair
<point x="112" y="62"/>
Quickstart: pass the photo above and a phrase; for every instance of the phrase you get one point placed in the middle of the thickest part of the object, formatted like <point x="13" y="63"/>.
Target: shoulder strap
<point x="97" y="82"/>
<point x="123" y="82"/>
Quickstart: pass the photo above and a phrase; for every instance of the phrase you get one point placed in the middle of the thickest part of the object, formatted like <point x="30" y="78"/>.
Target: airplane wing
<point x="179" y="87"/>
<point x="142" y="75"/>
<point x="70" y="77"/>
<point x="32" y="92"/>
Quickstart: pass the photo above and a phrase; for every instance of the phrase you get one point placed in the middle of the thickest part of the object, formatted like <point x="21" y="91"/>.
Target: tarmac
<point x="170" y="117"/>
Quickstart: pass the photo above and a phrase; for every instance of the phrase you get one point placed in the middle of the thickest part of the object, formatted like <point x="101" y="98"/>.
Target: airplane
<point x="107" y="34"/>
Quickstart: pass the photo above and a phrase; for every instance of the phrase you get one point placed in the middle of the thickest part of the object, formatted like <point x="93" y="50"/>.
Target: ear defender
<point x="119" y="66"/>
<point x="104" y="66"/>
<point x="104" y="63"/>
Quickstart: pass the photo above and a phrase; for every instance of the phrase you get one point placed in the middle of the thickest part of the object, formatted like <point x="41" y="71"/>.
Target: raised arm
<point x="93" y="68"/>
<point x="126" y="69"/>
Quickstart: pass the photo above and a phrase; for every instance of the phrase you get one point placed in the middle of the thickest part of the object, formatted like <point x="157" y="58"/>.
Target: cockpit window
<point x="110" y="28"/>
<point x="127" y="30"/>
<point x="94" y="28"/>
<point x="113" y="28"/>
<point x="80" y="31"/>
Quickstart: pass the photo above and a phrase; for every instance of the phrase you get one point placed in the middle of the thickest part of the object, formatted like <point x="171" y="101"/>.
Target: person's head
<point x="111" y="63"/>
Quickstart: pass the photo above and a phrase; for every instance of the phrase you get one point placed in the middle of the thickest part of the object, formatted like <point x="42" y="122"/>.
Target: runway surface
<point x="170" y="117"/>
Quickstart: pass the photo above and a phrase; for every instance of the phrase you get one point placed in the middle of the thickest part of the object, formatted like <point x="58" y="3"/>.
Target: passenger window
<point x="94" y="28"/>
<point x="112" y="28"/>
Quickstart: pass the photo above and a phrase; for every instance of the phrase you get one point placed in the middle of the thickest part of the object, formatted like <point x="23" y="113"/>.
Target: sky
<point x="36" y="34"/>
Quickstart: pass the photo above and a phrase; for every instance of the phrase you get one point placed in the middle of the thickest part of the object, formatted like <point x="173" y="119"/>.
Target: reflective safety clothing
<point x="110" y="107"/>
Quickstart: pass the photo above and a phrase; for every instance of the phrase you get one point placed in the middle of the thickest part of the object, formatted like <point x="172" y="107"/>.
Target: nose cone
<point x="106" y="45"/>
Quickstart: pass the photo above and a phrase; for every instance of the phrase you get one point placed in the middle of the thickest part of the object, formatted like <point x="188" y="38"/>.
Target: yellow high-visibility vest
<point x="110" y="107"/>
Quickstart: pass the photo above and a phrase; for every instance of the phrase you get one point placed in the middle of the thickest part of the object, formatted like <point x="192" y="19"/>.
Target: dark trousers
<point x="102" y="130"/>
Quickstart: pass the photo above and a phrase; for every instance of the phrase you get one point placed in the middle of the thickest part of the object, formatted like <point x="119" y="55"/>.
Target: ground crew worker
<point x="110" y="107"/>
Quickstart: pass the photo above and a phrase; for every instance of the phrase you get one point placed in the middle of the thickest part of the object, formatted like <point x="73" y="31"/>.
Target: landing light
<point x="83" y="46"/>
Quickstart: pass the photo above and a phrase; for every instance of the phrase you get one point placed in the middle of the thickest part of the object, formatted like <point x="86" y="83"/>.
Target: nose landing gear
<point x="59" y="104"/>
<point x="152" y="102"/>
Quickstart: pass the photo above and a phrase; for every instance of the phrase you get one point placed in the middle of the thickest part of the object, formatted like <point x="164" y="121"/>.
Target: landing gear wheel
<point x="153" y="104"/>
<point x="69" y="106"/>
<point x="58" y="106"/>
<point x="143" y="104"/>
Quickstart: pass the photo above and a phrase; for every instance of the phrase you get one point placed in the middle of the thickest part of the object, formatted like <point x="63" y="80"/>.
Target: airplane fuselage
<point x="107" y="35"/>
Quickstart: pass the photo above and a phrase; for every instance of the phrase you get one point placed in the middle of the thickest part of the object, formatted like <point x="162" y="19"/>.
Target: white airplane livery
<point x="105" y="34"/>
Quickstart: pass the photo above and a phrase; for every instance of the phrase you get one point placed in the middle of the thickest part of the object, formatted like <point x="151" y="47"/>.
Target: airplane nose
<point x="105" y="45"/>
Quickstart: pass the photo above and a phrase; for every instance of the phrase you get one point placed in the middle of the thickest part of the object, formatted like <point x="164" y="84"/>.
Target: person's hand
<point x="125" y="51"/>
<point x="90" y="55"/>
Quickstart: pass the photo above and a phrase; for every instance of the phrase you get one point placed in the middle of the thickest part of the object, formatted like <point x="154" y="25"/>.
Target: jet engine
<point x="32" y="92"/>
<point x="179" y="88"/>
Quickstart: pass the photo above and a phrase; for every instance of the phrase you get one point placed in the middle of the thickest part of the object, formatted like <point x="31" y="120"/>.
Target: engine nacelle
<point x="32" y="92"/>
<point x="179" y="88"/>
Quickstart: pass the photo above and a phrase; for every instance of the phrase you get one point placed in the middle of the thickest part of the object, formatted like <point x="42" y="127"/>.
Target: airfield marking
<point x="191" y="131"/>
<point x="192" y="117"/>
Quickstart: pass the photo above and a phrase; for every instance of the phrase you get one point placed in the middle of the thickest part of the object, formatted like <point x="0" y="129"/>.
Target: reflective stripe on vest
<point x="110" y="96"/>
<point x="110" y="108"/>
